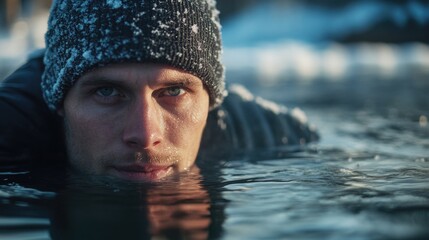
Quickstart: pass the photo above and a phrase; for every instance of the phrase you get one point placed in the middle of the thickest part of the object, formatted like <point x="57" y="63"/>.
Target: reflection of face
<point x="105" y="209"/>
<point x="182" y="208"/>
<point x="135" y="121"/>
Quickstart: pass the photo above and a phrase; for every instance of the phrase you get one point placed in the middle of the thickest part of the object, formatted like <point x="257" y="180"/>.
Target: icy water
<point x="367" y="178"/>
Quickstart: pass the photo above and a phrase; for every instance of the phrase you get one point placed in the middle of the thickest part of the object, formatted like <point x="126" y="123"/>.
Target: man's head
<point x="134" y="81"/>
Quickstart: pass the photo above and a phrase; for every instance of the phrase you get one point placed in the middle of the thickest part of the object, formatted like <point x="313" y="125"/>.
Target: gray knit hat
<point x="84" y="34"/>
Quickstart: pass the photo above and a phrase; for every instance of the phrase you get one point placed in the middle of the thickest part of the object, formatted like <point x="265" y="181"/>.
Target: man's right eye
<point x="108" y="95"/>
<point x="107" y="92"/>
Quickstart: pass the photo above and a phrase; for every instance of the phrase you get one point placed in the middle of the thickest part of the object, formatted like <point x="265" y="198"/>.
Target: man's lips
<point x="144" y="172"/>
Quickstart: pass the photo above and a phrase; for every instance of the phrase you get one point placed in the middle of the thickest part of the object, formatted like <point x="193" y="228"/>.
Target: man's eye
<point x="107" y="92"/>
<point x="174" y="91"/>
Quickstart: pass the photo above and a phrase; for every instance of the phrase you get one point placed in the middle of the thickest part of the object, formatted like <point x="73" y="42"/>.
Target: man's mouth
<point x="143" y="172"/>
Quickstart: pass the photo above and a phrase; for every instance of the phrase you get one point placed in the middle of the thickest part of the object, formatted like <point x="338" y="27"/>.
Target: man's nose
<point x="143" y="126"/>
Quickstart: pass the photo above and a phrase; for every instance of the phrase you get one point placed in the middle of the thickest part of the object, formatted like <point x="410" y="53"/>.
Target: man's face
<point x="135" y="121"/>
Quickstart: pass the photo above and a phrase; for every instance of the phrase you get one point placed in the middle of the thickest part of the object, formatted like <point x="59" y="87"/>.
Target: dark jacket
<point x="30" y="132"/>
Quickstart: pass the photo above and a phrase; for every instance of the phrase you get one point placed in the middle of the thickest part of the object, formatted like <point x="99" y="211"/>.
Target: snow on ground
<point x="276" y="41"/>
<point x="309" y="62"/>
<point x="275" y="21"/>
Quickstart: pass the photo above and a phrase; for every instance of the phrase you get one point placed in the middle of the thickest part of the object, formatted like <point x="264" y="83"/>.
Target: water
<point x="330" y="198"/>
<point x="310" y="194"/>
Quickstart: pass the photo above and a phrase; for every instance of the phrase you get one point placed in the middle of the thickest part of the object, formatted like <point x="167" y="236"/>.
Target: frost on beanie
<point x="84" y="34"/>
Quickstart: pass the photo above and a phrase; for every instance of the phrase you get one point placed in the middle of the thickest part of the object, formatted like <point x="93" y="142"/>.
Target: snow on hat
<point x="85" y="34"/>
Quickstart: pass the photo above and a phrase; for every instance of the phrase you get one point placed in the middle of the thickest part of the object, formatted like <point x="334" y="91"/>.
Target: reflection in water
<point x="180" y="210"/>
<point x="175" y="209"/>
<point x="80" y="215"/>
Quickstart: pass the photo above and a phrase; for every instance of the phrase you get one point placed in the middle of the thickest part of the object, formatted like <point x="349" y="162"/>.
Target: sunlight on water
<point x="24" y="228"/>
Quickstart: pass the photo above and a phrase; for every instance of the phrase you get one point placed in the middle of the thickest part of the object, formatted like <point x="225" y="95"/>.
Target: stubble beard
<point x="82" y="160"/>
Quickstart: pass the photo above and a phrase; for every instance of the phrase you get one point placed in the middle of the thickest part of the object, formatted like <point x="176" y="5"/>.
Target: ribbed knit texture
<point x="84" y="34"/>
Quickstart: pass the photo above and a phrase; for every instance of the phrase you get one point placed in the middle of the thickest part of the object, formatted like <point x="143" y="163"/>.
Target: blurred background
<point x="22" y="28"/>
<point x="299" y="51"/>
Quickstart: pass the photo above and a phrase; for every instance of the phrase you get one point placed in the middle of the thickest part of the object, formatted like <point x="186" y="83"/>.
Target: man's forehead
<point x="141" y="73"/>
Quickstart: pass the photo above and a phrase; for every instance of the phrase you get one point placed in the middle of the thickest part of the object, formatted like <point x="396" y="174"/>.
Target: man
<point x="135" y="84"/>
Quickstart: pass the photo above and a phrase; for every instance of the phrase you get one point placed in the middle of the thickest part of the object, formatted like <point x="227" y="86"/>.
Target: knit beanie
<point x="85" y="34"/>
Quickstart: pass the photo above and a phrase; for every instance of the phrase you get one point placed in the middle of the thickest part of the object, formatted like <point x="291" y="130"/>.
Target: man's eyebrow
<point x="168" y="82"/>
<point x="186" y="82"/>
<point x="92" y="81"/>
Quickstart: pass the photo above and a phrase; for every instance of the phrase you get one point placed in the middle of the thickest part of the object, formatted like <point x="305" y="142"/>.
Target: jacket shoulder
<point x="26" y="125"/>
<point x="248" y="122"/>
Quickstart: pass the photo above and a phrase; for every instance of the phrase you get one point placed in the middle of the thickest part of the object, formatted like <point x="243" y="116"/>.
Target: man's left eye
<point x="174" y="91"/>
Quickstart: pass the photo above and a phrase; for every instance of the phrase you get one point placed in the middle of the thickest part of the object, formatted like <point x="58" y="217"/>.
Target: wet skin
<point x="139" y="122"/>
